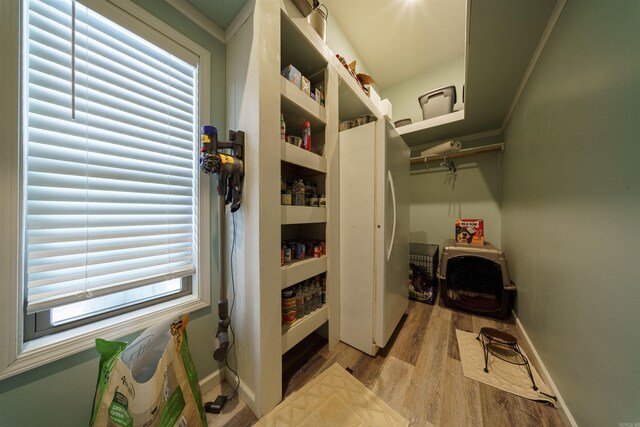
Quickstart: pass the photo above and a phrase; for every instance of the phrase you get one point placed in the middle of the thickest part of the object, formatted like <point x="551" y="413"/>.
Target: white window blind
<point x="110" y="158"/>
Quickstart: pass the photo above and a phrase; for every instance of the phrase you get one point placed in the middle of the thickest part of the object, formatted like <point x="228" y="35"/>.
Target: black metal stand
<point x="501" y="345"/>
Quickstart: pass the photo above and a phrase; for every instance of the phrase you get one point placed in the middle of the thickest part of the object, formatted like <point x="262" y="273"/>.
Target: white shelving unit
<point x="302" y="215"/>
<point x="299" y="270"/>
<point x="265" y="38"/>
<point x="299" y="105"/>
<point x="296" y="332"/>
<point x="302" y="50"/>
<point x="423" y="127"/>
<point x="300" y="157"/>
<point x="352" y="99"/>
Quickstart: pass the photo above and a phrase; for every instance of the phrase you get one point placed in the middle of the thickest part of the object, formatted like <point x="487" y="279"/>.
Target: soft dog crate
<point x="475" y="278"/>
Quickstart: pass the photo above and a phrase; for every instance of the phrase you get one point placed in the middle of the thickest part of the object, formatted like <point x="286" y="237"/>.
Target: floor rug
<point x="333" y="398"/>
<point x="502" y="375"/>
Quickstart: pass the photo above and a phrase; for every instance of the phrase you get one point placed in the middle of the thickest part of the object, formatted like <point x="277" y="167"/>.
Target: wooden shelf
<point x="307" y="159"/>
<point x="300" y="329"/>
<point x="298" y="107"/>
<point x="423" y="125"/>
<point x="352" y="101"/>
<point x="462" y="153"/>
<point x="300" y="46"/>
<point x="302" y="214"/>
<point x="298" y="270"/>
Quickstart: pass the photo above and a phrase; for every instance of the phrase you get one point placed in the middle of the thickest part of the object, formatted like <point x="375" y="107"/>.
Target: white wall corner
<point x="562" y="407"/>
<point x="239" y="20"/>
<point x="247" y="395"/>
<point x="551" y="23"/>
<point x="199" y="18"/>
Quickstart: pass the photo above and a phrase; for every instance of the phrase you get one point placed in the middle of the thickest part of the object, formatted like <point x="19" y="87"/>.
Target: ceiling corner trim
<point x="553" y="19"/>
<point x="240" y="19"/>
<point x="199" y="18"/>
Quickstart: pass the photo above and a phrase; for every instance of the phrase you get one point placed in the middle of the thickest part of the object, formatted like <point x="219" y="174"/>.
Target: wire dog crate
<point x="423" y="266"/>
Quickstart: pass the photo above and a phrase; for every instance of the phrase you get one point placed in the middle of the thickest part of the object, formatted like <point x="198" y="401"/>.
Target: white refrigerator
<point x="374" y="234"/>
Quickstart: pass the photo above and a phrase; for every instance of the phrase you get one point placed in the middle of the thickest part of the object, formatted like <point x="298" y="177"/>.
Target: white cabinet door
<point x="357" y="218"/>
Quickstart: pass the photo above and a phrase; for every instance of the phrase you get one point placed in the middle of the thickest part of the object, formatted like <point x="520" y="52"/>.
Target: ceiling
<point x="400" y="39"/>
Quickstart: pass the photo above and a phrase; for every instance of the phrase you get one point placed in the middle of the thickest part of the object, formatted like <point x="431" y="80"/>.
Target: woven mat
<point x="333" y="398"/>
<point x="502" y="375"/>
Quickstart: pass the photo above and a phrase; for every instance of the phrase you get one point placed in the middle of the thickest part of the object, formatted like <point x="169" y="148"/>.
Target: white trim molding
<point x="564" y="410"/>
<point x="211" y="381"/>
<point x="247" y="395"/>
<point x="237" y="22"/>
<point x="198" y="18"/>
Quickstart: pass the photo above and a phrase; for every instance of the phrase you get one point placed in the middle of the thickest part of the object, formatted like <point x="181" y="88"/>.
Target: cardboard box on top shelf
<point x="362" y="79"/>
<point x="365" y="81"/>
<point x="470" y="231"/>
<point x="306" y="86"/>
<point x="375" y="98"/>
<point x="292" y="74"/>
<point x="319" y="94"/>
<point x="386" y="109"/>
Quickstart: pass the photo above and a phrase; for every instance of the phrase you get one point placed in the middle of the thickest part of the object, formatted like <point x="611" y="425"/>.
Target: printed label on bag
<point x="118" y="410"/>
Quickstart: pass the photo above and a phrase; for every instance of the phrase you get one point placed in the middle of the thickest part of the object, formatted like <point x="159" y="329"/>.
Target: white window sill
<point x="57" y="346"/>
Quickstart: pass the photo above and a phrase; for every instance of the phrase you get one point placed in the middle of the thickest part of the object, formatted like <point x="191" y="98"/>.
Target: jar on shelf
<point x="288" y="306"/>
<point x="298" y="191"/>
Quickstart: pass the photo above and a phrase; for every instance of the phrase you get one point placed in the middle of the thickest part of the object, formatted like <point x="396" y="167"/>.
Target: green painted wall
<point x="340" y="44"/>
<point x="61" y="393"/>
<point x="571" y="204"/>
<point x="404" y="96"/>
<point x="436" y="201"/>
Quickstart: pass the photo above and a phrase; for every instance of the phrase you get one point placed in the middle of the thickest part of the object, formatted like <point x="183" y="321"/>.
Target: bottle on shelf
<point x="317" y="295"/>
<point x="298" y="190"/>
<point x="299" y="302"/>
<point x="283" y="129"/>
<point x="306" y="135"/>
<point x="307" y="299"/>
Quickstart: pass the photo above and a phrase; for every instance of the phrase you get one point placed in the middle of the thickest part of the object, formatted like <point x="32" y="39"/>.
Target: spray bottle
<point x="306" y="135"/>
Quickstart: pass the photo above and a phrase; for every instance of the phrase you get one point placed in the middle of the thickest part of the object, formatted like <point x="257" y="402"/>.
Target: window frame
<point x="16" y="355"/>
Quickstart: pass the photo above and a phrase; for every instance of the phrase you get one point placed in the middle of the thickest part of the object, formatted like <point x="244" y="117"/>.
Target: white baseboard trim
<point x="247" y="395"/>
<point x="564" y="411"/>
<point x="212" y="380"/>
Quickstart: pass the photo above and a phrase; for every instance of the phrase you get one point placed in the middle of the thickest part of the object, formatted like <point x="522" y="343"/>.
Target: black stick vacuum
<point x="226" y="160"/>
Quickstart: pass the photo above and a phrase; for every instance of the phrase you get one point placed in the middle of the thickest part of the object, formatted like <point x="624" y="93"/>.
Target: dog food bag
<point x="150" y="382"/>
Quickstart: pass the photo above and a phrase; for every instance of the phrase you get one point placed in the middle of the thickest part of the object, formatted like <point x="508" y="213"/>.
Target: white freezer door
<point x="392" y="231"/>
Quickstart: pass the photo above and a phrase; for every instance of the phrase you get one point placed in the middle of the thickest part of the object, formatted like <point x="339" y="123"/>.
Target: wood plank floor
<point x="419" y="374"/>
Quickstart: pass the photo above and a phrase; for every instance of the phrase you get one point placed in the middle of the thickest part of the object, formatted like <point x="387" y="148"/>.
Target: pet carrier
<point x="476" y="279"/>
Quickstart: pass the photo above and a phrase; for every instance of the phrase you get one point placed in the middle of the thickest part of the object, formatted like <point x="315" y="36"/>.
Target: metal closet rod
<point x="462" y="153"/>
